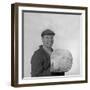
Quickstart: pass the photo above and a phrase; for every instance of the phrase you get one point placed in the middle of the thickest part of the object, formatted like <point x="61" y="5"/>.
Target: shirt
<point x="40" y="64"/>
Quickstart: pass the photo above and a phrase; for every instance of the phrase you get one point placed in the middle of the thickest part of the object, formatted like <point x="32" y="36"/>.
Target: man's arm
<point x="37" y="66"/>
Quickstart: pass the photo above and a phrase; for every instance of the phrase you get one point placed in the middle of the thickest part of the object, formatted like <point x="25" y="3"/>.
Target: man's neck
<point x="47" y="49"/>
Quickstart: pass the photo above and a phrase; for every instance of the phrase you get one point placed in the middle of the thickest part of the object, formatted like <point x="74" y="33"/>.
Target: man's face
<point x="47" y="40"/>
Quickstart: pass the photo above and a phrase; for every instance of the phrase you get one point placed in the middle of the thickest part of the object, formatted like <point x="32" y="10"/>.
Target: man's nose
<point x="51" y="40"/>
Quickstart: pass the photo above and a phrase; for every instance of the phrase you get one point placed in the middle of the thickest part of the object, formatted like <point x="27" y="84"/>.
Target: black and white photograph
<point x="50" y="44"/>
<point x="54" y="46"/>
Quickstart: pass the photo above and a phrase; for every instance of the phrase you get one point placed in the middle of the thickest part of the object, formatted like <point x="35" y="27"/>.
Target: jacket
<point x="40" y="64"/>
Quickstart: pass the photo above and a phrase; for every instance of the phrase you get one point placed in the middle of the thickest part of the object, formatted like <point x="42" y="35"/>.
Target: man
<point x="40" y="62"/>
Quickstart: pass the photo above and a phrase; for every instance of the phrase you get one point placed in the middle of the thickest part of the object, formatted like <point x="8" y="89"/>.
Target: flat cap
<point x="47" y="32"/>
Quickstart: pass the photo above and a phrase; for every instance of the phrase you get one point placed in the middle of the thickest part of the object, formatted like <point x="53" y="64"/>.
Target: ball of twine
<point x="61" y="60"/>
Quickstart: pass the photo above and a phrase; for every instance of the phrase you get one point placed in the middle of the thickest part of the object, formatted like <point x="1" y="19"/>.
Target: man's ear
<point x="42" y="39"/>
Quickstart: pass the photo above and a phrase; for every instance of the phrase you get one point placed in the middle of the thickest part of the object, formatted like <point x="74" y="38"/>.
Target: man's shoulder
<point x="38" y="55"/>
<point x="38" y="52"/>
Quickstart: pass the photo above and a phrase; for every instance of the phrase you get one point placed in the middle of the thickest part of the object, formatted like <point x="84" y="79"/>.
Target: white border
<point x="30" y="80"/>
